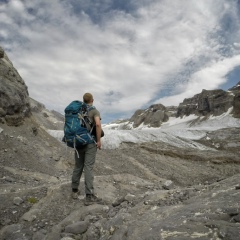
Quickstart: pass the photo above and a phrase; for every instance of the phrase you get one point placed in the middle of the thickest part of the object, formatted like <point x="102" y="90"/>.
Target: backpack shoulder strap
<point x="89" y="108"/>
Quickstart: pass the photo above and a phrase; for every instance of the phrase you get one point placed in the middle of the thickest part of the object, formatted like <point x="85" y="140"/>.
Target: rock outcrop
<point x="14" y="100"/>
<point x="206" y="103"/>
<point x="211" y="102"/>
<point x="46" y="119"/>
<point x="236" y="100"/>
<point x="153" y="116"/>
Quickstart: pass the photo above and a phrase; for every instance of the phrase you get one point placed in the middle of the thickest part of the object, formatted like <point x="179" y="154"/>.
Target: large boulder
<point x="14" y="98"/>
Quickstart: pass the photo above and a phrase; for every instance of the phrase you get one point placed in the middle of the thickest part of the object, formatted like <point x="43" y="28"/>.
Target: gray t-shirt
<point x="92" y="114"/>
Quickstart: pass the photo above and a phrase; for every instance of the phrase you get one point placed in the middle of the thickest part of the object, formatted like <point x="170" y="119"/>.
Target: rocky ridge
<point x="155" y="115"/>
<point x="150" y="190"/>
<point x="205" y="104"/>
<point x="211" y="102"/>
<point x="45" y="118"/>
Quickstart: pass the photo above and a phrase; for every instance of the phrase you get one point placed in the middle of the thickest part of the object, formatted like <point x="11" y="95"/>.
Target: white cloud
<point x="16" y="5"/>
<point x="210" y="76"/>
<point x="123" y="57"/>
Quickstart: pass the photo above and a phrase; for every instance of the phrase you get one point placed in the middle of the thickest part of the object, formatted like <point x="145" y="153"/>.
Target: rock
<point x="39" y="235"/>
<point x="153" y="116"/>
<point x="1" y="53"/>
<point x="231" y="211"/>
<point x="17" y="201"/>
<point x="9" y="179"/>
<point x="14" y="105"/>
<point x="45" y="115"/>
<point x="31" y="215"/>
<point x="211" y="102"/>
<point x="77" y="228"/>
<point x="206" y="103"/>
<point x="58" y="116"/>
<point x="35" y="131"/>
<point x="237" y="218"/>
<point x="14" y="120"/>
<point x="130" y="197"/>
<point x="36" y="106"/>
<point x="55" y="234"/>
<point x="118" y="201"/>
<point x="236" y="105"/>
<point x="168" y="185"/>
<point x="2" y="112"/>
<point x="12" y="232"/>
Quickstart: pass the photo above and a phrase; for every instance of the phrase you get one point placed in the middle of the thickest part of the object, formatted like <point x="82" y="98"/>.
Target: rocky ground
<point x="150" y="190"/>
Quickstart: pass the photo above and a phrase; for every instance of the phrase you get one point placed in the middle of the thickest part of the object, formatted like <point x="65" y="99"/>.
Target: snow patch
<point x="179" y="132"/>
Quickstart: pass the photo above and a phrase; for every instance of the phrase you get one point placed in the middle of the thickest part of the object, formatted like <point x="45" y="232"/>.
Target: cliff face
<point x="212" y="102"/>
<point x="206" y="103"/>
<point x="236" y="100"/>
<point x="153" y="116"/>
<point x="14" y="99"/>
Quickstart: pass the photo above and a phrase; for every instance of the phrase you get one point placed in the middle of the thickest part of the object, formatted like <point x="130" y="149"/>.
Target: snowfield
<point x="177" y="132"/>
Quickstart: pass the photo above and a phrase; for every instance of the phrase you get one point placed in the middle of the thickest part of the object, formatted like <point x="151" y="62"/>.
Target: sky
<point x="128" y="53"/>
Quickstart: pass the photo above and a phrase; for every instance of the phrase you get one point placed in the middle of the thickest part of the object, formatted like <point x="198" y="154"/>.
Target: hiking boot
<point x="75" y="195"/>
<point x="92" y="199"/>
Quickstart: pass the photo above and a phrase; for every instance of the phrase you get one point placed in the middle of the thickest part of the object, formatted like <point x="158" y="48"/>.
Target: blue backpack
<point x="77" y="132"/>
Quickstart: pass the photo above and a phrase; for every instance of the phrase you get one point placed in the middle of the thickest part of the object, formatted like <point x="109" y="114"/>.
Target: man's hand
<point x="99" y="145"/>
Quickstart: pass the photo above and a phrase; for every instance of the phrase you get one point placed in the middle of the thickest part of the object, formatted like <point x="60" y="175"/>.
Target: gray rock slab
<point x="77" y="227"/>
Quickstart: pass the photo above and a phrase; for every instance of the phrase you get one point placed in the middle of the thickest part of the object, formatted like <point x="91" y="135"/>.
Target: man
<point x="86" y="156"/>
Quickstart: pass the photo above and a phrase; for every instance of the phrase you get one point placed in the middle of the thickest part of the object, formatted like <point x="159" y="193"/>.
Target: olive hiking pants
<point x="84" y="160"/>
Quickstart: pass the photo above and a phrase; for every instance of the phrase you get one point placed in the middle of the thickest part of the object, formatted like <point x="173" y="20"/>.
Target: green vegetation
<point x="32" y="200"/>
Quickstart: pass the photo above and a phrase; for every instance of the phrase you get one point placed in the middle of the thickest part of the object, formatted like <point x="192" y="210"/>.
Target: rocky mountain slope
<point x="176" y="189"/>
<point x="205" y="104"/>
<point x="214" y="102"/>
<point x="46" y="119"/>
<point x="14" y="101"/>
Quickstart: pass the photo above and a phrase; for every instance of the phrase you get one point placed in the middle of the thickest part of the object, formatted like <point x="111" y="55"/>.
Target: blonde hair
<point x="87" y="97"/>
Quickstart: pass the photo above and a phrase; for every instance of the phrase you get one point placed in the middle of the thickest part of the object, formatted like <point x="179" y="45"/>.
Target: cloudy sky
<point x="128" y="53"/>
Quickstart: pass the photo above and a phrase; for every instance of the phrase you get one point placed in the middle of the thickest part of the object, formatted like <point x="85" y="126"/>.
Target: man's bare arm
<point x="98" y="131"/>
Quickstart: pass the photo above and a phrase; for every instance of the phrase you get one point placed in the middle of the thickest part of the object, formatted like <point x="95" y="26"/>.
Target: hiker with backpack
<point x="83" y="132"/>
